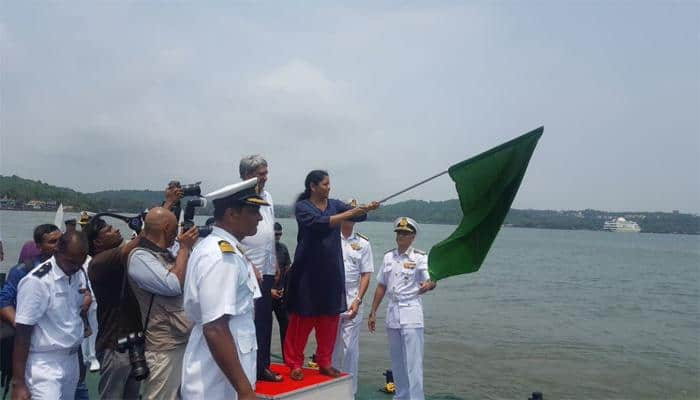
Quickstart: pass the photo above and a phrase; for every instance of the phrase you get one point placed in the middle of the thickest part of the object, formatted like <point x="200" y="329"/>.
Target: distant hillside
<point x="449" y="212"/>
<point x="128" y="200"/>
<point x="434" y="212"/>
<point x="655" y="222"/>
<point x="24" y="190"/>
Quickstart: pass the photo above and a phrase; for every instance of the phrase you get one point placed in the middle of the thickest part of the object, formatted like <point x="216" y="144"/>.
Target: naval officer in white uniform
<point x="403" y="277"/>
<point x="49" y="327"/>
<point x="357" y="259"/>
<point x="220" y="287"/>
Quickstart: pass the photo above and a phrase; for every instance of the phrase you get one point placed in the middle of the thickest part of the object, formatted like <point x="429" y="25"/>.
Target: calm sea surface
<point x="574" y="314"/>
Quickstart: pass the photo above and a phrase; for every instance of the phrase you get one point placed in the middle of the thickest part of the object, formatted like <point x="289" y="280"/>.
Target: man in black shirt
<point x="283" y="264"/>
<point x="115" y="317"/>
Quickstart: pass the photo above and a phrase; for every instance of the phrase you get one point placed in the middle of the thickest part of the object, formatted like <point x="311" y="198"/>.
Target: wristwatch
<point x="358" y="300"/>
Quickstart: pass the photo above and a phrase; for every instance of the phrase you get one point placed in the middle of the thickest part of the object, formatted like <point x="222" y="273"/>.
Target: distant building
<point x="35" y="204"/>
<point x="7" y="203"/>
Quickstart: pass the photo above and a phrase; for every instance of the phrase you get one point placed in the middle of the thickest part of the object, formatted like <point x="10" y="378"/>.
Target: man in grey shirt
<point x="156" y="278"/>
<point x="260" y="251"/>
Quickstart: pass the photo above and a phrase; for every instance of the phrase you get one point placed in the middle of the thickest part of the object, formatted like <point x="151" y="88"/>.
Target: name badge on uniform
<point x="409" y="265"/>
<point x="355" y="246"/>
<point x="61" y="294"/>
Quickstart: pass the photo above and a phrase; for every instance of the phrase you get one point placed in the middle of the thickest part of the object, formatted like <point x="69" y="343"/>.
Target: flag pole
<point x="413" y="186"/>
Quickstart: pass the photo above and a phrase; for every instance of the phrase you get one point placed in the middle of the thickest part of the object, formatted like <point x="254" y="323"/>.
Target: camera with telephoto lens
<point x="135" y="344"/>
<point x="188" y="217"/>
<point x="193" y="189"/>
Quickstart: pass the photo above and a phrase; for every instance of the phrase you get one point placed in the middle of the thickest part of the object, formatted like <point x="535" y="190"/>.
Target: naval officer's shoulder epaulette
<point x="362" y="236"/>
<point x="43" y="270"/>
<point x="390" y="250"/>
<point x="226" y="247"/>
<point x="421" y="252"/>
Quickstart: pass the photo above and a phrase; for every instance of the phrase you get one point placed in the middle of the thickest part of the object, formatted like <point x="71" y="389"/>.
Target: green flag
<point x="486" y="185"/>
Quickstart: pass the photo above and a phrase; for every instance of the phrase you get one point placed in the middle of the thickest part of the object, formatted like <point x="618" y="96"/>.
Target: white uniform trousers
<point x="346" y="353"/>
<point x="406" y="350"/>
<point x="201" y="376"/>
<point x="88" y="344"/>
<point x="52" y="375"/>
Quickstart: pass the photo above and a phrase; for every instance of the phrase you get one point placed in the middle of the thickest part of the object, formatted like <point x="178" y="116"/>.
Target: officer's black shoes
<point x="269" y="376"/>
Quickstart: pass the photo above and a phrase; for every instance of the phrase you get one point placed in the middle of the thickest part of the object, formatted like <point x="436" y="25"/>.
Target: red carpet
<point x="311" y="377"/>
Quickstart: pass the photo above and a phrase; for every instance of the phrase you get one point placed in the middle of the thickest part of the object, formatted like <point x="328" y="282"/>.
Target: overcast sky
<point x="129" y="95"/>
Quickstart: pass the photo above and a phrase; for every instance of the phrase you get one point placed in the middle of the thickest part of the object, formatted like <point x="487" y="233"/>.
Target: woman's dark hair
<point x="315" y="177"/>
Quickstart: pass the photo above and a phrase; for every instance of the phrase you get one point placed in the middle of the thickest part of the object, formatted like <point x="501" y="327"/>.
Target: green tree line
<point x="431" y="212"/>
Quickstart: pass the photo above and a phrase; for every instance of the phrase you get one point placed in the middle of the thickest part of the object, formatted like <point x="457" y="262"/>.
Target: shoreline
<point x="430" y="223"/>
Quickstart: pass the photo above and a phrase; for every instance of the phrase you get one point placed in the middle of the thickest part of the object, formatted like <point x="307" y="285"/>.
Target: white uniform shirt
<point x="402" y="274"/>
<point x="219" y="282"/>
<point x="260" y="249"/>
<point x="357" y="258"/>
<point x="51" y="301"/>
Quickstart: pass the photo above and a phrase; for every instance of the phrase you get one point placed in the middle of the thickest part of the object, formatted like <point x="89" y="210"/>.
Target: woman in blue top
<point x="317" y="278"/>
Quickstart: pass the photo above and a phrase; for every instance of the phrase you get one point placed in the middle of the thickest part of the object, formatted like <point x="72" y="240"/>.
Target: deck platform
<point x="314" y="386"/>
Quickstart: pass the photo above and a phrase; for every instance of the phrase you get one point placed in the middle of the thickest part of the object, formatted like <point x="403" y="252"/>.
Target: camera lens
<point x="191" y="190"/>
<point x="139" y="369"/>
<point x="137" y="357"/>
<point x="135" y="343"/>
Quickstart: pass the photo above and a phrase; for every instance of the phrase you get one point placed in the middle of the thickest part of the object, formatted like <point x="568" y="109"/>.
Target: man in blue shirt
<point x="46" y="238"/>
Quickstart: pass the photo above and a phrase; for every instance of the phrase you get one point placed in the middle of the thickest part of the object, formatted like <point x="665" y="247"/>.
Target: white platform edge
<point x="338" y="388"/>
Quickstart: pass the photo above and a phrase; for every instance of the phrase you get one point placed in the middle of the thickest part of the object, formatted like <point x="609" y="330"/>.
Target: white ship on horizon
<point x="621" y="225"/>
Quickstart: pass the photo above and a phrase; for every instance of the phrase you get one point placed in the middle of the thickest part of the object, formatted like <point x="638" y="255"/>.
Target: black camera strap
<point x="122" y="297"/>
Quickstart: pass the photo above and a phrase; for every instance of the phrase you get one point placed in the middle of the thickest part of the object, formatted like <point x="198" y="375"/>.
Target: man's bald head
<point x="159" y="217"/>
<point x="160" y="226"/>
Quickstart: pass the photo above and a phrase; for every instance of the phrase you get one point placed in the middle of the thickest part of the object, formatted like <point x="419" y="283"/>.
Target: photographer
<point x="116" y="314"/>
<point x="156" y="278"/>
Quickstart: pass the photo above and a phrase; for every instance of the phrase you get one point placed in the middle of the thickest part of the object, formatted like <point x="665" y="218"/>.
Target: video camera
<point x="134" y="223"/>
<point x="187" y="190"/>
<point x="188" y="216"/>
<point x="194" y="190"/>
